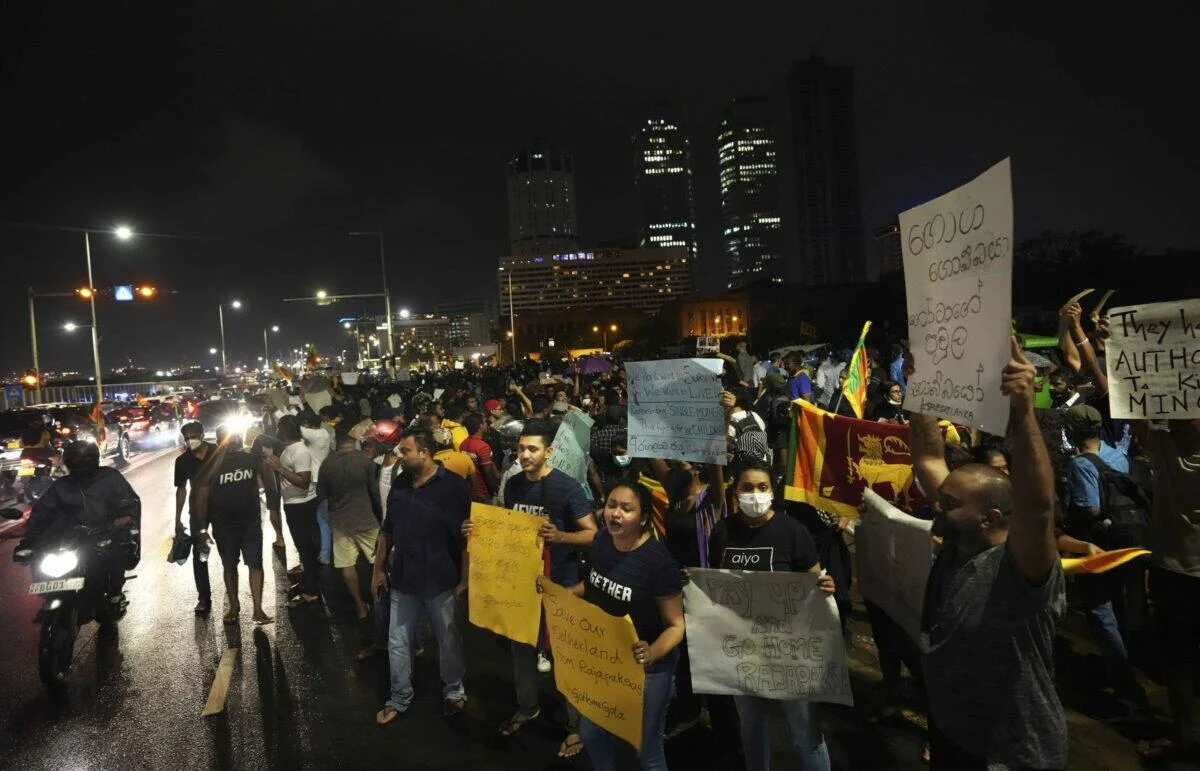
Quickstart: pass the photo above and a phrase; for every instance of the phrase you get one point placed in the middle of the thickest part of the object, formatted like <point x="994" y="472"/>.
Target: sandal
<point x="514" y="723"/>
<point x="387" y="715"/>
<point x="231" y="617"/>
<point x="452" y="707"/>
<point x="571" y="746"/>
<point x="1158" y="750"/>
<point x="300" y="601"/>
<point x="368" y="653"/>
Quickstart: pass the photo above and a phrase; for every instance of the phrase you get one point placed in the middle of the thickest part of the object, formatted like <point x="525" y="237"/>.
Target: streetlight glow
<point x="235" y="304"/>
<point x="322" y="294"/>
<point x="274" y="329"/>
<point x="123" y="232"/>
<point x="405" y="313"/>
<point x="213" y="351"/>
<point x="70" y="326"/>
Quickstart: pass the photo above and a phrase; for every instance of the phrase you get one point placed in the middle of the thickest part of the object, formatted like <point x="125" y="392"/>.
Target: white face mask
<point x="194" y="444"/>
<point x="622" y="460"/>
<point x="754" y="505"/>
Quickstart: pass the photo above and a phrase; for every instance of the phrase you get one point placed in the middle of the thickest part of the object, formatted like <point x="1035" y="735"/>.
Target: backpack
<point x="744" y="424"/>
<point x="1125" y="508"/>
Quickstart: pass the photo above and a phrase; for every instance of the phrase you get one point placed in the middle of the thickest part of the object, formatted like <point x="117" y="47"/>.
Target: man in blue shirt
<point x="897" y="369"/>
<point x="1083" y="424"/>
<point x="425" y="511"/>
<point x="799" y="383"/>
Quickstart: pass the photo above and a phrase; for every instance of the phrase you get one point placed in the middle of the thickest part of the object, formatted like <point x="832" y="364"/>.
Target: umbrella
<point x="592" y="365"/>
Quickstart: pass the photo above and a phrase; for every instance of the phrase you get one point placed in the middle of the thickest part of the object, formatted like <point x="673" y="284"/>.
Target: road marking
<point x="220" y="686"/>
<point x="165" y="549"/>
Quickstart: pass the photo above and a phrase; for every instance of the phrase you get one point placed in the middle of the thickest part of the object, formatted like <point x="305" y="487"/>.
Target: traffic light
<point x="31" y="381"/>
<point x="85" y="292"/>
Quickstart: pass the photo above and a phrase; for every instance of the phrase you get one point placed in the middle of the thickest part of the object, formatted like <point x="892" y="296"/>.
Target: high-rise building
<point x="749" y="176"/>
<point x="611" y="278"/>
<point x="891" y="252"/>
<point x="826" y="151"/>
<point x="663" y="181"/>
<point x="541" y="201"/>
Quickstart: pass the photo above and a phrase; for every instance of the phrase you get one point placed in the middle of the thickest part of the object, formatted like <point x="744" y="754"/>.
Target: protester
<point x="740" y="543"/>
<point x="1175" y="576"/>
<point x="799" y="384"/>
<point x="421" y="535"/>
<point x="891" y="409"/>
<point x="632" y="574"/>
<point x="546" y="492"/>
<point x="745" y="363"/>
<point x="298" y="492"/>
<point x="458" y="462"/>
<point x="996" y="586"/>
<point x="186" y="467"/>
<point x="226" y="495"/>
<point x="319" y="442"/>
<point x="349" y="487"/>
<point x="487" y="478"/>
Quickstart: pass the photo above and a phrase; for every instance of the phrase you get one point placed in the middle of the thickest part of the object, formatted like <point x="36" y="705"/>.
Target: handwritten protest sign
<point x="1154" y="361"/>
<point x="569" y="450"/>
<point x="958" y="277"/>
<point x="772" y="635"/>
<point x="675" y="410"/>
<point x="506" y="559"/>
<point x="593" y="663"/>
<point x="894" y="558"/>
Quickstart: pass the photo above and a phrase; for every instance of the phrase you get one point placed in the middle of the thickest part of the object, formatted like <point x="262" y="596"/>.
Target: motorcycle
<point x="76" y="588"/>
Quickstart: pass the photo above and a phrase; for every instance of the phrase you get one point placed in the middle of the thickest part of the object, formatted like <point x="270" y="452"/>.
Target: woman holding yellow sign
<point x="633" y="574"/>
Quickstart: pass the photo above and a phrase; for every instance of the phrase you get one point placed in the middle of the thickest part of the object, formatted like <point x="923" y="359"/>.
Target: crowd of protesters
<point x="386" y="472"/>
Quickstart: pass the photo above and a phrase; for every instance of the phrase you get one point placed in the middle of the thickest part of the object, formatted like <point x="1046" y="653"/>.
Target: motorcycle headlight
<point x="58" y="564"/>
<point x="238" y="424"/>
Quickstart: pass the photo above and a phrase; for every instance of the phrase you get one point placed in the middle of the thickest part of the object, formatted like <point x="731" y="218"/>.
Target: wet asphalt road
<point x="297" y="698"/>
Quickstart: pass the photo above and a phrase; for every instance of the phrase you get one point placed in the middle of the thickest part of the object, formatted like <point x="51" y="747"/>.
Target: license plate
<point x="59" y="585"/>
<point x="13" y="445"/>
<point x="25" y="472"/>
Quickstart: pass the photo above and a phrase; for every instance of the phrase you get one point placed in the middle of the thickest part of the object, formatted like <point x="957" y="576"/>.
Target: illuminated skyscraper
<point x="541" y="201"/>
<point x="749" y="175"/>
<point x="663" y="180"/>
<point x="826" y="150"/>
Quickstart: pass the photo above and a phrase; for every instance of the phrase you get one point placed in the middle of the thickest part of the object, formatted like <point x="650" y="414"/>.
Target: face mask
<point x="754" y="505"/>
<point x="587" y="402"/>
<point x="194" y="444"/>
<point x="622" y="460"/>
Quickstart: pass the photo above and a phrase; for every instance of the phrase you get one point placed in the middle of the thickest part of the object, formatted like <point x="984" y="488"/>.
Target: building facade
<point x="663" y="181"/>
<point x="889" y="249"/>
<point x="826" y="153"/>
<point x="541" y="201"/>
<point x="748" y="167"/>
<point x="642" y="279"/>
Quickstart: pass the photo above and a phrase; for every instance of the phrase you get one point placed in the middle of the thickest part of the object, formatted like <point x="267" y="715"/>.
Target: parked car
<point x="223" y="412"/>
<point x="143" y="427"/>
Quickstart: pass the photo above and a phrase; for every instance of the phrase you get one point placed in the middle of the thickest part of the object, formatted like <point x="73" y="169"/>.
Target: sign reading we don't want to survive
<point x="1153" y="360"/>
<point x="675" y="411"/>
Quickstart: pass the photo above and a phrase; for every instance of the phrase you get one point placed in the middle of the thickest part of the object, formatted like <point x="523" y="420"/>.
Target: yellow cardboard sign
<point x="593" y="663"/>
<point x="506" y="559"/>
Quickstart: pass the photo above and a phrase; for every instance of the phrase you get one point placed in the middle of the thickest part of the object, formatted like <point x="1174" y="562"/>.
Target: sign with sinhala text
<point x="569" y="450"/>
<point x="506" y="559"/>
<point x="675" y="410"/>
<point x="593" y="663"/>
<point x="1153" y="360"/>
<point x="958" y="259"/>
<point x="771" y="635"/>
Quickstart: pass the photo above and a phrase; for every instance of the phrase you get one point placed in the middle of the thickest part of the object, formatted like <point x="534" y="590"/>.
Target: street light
<point x="266" y="348"/>
<point x="123" y="232"/>
<point x="610" y="327"/>
<point x="221" y="322"/>
<point x="212" y="351"/>
<point x="71" y="326"/>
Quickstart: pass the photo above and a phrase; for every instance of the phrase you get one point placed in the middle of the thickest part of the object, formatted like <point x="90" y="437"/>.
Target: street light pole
<point x="221" y="322"/>
<point x="512" y="325"/>
<point x="266" y="351"/>
<point x="387" y="294"/>
<point x="33" y="339"/>
<point x="87" y="248"/>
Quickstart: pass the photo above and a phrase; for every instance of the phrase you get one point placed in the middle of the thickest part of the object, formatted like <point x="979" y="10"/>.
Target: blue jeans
<point x="600" y="744"/>
<point x="326" y="553"/>
<point x="406" y="613"/>
<point x="800" y="716"/>
<point x="1100" y="595"/>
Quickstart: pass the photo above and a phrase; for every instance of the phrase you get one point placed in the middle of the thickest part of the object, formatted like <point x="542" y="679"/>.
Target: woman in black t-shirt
<point x="760" y="539"/>
<point x="632" y="573"/>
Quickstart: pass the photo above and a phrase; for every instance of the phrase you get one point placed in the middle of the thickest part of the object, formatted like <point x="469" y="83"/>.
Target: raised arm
<point x="1031" y="524"/>
<point x="1065" y="343"/>
<point x="928" y="452"/>
<point x="1091" y="364"/>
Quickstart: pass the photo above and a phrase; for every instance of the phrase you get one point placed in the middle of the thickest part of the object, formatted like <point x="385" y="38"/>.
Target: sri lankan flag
<point x="832" y="459"/>
<point x="854" y="390"/>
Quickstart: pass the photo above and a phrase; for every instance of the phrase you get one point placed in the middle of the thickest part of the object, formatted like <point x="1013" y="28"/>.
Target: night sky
<point x="265" y="131"/>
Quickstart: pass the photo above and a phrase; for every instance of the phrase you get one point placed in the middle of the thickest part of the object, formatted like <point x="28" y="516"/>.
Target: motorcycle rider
<point x="91" y="496"/>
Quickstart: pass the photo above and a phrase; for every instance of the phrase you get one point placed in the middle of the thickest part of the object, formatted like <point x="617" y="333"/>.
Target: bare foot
<point x="363" y="612"/>
<point x="261" y="618"/>
<point x="279" y="544"/>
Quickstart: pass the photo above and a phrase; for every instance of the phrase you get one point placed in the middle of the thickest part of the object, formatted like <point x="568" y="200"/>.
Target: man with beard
<point x="993" y="599"/>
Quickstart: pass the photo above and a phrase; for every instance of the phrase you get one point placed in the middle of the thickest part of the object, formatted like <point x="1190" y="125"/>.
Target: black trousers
<point x="945" y="755"/>
<point x="200" y="573"/>
<point x="302" y="522"/>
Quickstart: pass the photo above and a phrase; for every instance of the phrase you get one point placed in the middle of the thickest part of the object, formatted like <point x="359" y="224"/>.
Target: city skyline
<point x="265" y="155"/>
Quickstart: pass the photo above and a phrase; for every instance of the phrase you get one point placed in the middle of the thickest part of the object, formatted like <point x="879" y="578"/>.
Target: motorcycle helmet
<point x="81" y="457"/>
<point x="386" y="431"/>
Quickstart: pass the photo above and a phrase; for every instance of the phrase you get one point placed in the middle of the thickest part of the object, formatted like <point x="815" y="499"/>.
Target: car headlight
<point x="58" y="564"/>
<point x="238" y="424"/>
